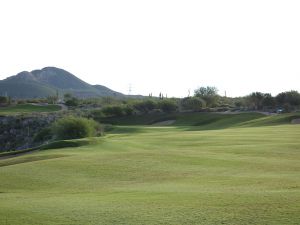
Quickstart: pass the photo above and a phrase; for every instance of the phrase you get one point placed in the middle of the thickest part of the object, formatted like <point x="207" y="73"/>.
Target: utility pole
<point x="129" y="89"/>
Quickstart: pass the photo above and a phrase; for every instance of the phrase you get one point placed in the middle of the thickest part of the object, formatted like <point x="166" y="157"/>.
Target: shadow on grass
<point x="53" y="145"/>
<point x="241" y="121"/>
<point x="126" y="129"/>
<point x="68" y="143"/>
<point x="28" y="159"/>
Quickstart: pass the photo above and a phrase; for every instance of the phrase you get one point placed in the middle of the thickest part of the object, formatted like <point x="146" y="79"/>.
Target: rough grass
<point x="272" y="120"/>
<point x="28" y="108"/>
<point x="159" y="175"/>
<point x="206" y="120"/>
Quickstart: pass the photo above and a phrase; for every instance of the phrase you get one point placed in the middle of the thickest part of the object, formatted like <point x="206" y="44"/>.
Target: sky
<point x="154" y="46"/>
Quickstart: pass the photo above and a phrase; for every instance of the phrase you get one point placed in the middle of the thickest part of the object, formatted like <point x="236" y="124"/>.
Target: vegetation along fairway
<point x="28" y="108"/>
<point x="246" y="174"/>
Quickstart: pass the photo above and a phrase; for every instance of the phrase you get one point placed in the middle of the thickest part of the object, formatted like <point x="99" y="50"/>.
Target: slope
<point x="205" y="121"/>
<point x="159" y="176"/>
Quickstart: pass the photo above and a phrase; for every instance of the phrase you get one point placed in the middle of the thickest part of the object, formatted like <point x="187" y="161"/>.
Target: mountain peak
<point x="44" y="82"/>
<point x="25" y="74"/>
<point x="49" y="69"/>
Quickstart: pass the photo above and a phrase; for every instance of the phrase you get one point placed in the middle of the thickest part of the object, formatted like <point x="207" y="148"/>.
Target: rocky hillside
<point x="19" y="132"/>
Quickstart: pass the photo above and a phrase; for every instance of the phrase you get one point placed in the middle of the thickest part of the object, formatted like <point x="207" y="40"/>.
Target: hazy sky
<point x="157" y="45"/>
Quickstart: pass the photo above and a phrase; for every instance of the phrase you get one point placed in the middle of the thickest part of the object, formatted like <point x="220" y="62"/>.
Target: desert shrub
<point x="113" y="110"/>
<point x="208" y="94"/>
<point x="128" y="110"/>
<point x="117" y="110"/>
<point x="192" y="103"/>
<point x="75" y="127"/>
<point x="72" y="102"/>
<point x="167" y="105"/>
<point x="96" y="114"/>
<point x="290" y="98"/>
<point x="43" y="135"/>
<point x="21" y="101"/>
<point x="144" y="106"/>
<point x="3" y="99"/>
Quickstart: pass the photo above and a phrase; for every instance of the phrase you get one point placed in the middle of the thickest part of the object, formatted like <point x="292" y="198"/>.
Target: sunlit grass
<point x="159" y="175"/>
<point x="27" y="108"/>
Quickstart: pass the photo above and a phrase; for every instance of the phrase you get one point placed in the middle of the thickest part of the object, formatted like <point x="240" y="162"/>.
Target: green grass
<point x="272" y="120"/>
<point x="28" y="108"/>
<point x="214" y="120"/>
<point x="160" y="175"/>
<point x="205" y="121"/>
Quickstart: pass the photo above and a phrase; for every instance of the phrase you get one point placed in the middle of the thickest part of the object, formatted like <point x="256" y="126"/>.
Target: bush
<point x="96" y="114"/>
<point x="72" y="102"/>
<point x="113" y="111"/>
<point x="128" y="110"/>
<point x="208" y="94"/>
<point x="73" y="128"/>
<point x="167" y="106"/>
<point x="43" y="135"/>
<point x="3" y="99"/>
<point x="117" y="110"/>
<point x="292" y="98"/>
<point x="192" y="103"/>
<point x="144" y="106"/>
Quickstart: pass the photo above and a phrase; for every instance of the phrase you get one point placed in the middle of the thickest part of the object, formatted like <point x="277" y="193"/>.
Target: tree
<point x="208" y="94"/>
<point x="107" y="100"/>
<point x="70" y="100"/>
<point x="289" y="100"/>
<point x="9" y="100"/>
<point x="268" y="101"/>
<point x="67" y="96"/>
<point x="3" y="100"/>
<point x="192" y="103"/>
<point x="167" y="105"/>
<point x="255" y="100"/>
<point x="73" y="128"/>
<point x="113" y="111"/>
<point x="144" y="106"/>
<point x="290" y="97"/>
<point x="52" y="99"/>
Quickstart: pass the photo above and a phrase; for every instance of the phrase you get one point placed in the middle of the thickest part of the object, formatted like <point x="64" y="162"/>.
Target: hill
<point x="49" y="81"/>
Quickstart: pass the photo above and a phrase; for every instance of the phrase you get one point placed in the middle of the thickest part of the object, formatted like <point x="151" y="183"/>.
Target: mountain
<point x="49" y="81"/>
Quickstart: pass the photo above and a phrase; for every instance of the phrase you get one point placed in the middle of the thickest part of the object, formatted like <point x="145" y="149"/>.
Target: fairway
<point x="159" y="175"/>
<point x="28" y="108"/>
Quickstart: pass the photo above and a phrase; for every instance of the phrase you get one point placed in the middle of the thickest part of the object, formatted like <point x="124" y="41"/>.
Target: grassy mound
<point x="206" y="121"/>
<point x="272" y="120"/>
<point x="182" y="119"/>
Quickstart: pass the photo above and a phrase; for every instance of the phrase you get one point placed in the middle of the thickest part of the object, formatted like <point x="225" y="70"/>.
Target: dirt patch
<point x="296" y="121"/>
<point x="164" y="123"/>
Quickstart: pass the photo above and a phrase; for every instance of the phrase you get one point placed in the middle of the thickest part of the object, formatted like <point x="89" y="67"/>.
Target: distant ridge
<point x="48" y="81"/>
